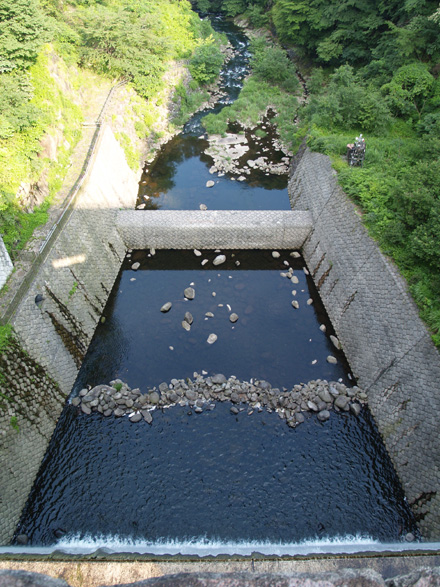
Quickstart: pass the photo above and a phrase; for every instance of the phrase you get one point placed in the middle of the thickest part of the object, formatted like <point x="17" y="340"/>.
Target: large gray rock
<point x="27" y="579"/>
<point x="219" y="260"/>
<point x="344" y="578"/>
<point x="423" y="577"/>
<point x="218" y="378"/>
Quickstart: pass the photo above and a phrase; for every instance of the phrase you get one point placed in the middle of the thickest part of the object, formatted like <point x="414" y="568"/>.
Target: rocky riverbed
<point x="202" y="392"/>
<point x="228" y="154"/>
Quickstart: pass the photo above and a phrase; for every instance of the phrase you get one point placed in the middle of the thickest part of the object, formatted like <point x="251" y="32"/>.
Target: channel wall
<point x="53" y="330"/>
<point x="387" y="345"/>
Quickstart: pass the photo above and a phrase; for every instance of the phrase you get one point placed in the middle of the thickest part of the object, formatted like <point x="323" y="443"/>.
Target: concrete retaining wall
<point x="74" y="282"/>
<point x="209" y="229"/>
<point x="6" y="265"/>
<point x="385" y="342"/>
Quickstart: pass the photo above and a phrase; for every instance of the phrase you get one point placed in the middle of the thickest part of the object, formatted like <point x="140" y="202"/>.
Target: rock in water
<point x="135" y="266"/>
<point x="332" y="360"/>
<point x="335" y="341"/>
<point x="210" y="183"/>
<point x="211" y="338"/>
<point x="153" y="397"/>
<point x="186" y="326"/>
<point x="323" y="416"/>
<point x="166" y="307"/>
<point x="275" y="254"/>
<point x="233" y="317"/>
<point x="203" y="207"/>
<point x="189" y="293"/>
<point x="219" y="260"/>
<point x="218" y="378"/>
<point x="189" y="318"/>
<point x="295" y="304"/>
<point x="197" y="253"/>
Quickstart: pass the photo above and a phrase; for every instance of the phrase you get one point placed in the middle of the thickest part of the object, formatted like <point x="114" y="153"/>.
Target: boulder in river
<point x="219" y="260"/>
<point x="189" y="293"/>
<point x="166" y="307"/>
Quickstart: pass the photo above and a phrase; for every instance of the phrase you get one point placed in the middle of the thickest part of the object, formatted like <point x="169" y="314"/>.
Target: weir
<point x="386" y="344"/>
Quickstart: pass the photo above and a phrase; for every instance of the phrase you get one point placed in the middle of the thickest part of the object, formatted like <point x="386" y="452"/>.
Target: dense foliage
<point x="272" y="84"/>
<point x="130" y="40"/>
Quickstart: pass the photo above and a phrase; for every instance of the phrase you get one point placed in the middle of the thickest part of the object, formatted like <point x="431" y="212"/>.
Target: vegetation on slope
<point x="120" y="39"/>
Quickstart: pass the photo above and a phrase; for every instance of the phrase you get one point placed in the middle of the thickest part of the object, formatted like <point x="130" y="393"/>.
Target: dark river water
<point x="213" y="477"/>
<point x="177" y="178"/>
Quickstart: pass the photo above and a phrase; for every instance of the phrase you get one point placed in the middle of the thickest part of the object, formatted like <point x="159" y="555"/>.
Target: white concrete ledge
<point x="6" y="265"/>
<point x="211" y="229"/>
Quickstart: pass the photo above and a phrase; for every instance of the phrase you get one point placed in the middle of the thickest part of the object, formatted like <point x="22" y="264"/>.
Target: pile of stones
<point x="227" y="151"/>
<point x="202" y="392"/>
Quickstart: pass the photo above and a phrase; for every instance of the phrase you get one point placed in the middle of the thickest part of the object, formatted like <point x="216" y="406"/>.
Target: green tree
<point x="22" y="33"/>
<point x="16" y="112"/>
<point x="410" y="88"/>
<point x="206" y="62"/>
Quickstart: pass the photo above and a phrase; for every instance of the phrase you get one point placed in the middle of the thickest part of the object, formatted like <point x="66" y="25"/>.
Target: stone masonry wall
<point x="6" y="266"/>
<point x="211" y="229"/>
<point x="54" y="332"/>
<point x="386" y="344"/>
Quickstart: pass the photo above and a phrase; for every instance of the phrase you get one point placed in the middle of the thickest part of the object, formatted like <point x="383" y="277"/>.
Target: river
<point x="213" y="478"/>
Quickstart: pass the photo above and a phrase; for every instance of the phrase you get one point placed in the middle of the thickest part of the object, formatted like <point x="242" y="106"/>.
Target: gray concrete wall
<point x="54" y="334"/>
<point x="212" y="229"/>
<point x="6" y="265"/>
<point x="386" y="344"/>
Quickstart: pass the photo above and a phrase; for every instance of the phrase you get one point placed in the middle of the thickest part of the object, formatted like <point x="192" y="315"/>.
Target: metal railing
<point x="64" y="216"/>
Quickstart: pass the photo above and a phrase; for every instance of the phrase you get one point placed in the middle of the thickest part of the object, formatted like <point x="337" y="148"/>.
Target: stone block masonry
<point x="55" y="322"/>
<point x="377" y="322"/>
<point x="212" y="229"/>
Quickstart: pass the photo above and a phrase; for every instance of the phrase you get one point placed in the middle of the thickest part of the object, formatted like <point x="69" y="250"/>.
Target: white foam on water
<point x="76" y="544"/>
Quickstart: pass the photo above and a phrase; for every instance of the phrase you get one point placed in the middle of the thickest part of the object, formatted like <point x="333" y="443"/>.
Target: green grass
<point x="5" y="335"/>
<point x="189" y="101"/>
<point x="255" y="99"/>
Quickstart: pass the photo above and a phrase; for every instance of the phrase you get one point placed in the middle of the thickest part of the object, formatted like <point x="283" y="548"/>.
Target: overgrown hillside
<point x="47" y="53"/>
<point x="372" y="67"/>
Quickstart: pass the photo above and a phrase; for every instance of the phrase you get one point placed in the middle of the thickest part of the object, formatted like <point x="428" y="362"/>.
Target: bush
<point x="272" y="65"/>
<point x="348" y="103"/>
<point x="206" y="62"/>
